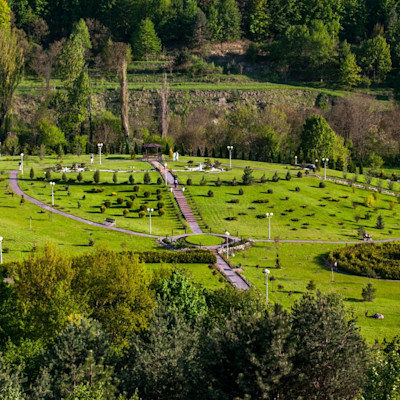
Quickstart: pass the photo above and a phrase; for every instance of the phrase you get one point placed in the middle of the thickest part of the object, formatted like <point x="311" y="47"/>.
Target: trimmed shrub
<point x="189" y="182"/>
<point x="241" y="192"/>
<point x="129" y="204"/>
<point x="142" y="214"/>
<point x="261" y="201"/>
<point x="120" y="200"/>
<point x="31" y="173"/>
<point x="79" y="177"/>
<point x="234" y="182"/>
<point x="203" y="181"/>
<point x="159" y="197"/>
<point x="96" y="176"/>
<point x="234" y="201"/>
<point x="107" y="203"/>
<point x="159" y="181"/>
<point x="275" y="177"/>
<point x="210" y="193"/>
<point x="270" y="191"/>
<point x="136" y="188"/>
<point x="142" y="207"/>
<point x="146" y="178"/>
<point x="322" y="185"/>
<point x="125" y="212"/>
<point x="263" y="179"/>
<point x="147" y="194"/>
<point x="131" y="179"/>
<point x="297" y="189"/>
<point x="64" y="177"/>
<point x="103" y="209"/>
<point x="133" y="197"/>
<point x="161" y="212"/>
<point x="218" y="183"/>
<point x="115" y="178"/>
<point x="160" y="205"/>
<point x="288" y="177"/>
<point x="299" y="174"/>
<point x="176" y="257"/>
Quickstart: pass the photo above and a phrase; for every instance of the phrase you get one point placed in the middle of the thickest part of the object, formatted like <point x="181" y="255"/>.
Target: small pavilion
<point x="152" y="150"/>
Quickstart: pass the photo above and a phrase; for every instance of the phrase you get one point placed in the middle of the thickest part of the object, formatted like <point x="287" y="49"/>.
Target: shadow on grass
<point x="353" y="300"/>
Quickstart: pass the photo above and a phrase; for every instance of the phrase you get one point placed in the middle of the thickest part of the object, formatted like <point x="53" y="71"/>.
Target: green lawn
<point x="205" y="240"/>
<point x="304" y="262"/>
<point x="78" y="199"/>
<point x="311" y="213"/>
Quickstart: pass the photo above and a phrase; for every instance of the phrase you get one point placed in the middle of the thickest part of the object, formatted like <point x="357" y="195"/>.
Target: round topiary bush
<point x="136" y="188"/>
<point x="147" y="194"/>
<point x="142" y="207"/>
<point x="129" y="204"/>
<point x="210" y="193"/>
<point x="189" y="182"/>
<point x="103" y="209"/>
<point x="241" y="192"/>
<point x="107" y="203"/>
<point x="161" y="212"/>
<point x="142" y="214"/>
<point x="299" y="174"/>
<point x="159" y="197"/>
<point x="322" y="185"/>
<point x="297" y="189"/>
<point x="120" y="200"/>
<point x="132" y="197"/>
<point x="160" y="204"/>
<point x="126" y="212"/>
<point x="270" y="191"/>
<point x="158" y="191"/>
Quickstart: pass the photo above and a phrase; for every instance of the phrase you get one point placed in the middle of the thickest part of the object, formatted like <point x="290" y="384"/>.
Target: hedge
<point x="369" y="259"/>
<point x="189" y="256"/>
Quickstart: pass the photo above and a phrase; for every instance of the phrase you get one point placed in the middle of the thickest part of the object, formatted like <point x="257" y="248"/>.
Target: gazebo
<point x="151" y="150"/>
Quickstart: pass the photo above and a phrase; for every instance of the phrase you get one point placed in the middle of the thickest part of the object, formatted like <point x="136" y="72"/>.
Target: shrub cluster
<point x="200" y="256"/>
<point x="372" y="260"/>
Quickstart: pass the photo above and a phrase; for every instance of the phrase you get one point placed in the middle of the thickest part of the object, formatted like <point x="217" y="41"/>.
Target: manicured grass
<point x="200" y="273"/>
<point x="78" y="199"/>
<point x="304" y="262"/>
<point x="205" y="240"/>
<point x="312" y="213"/>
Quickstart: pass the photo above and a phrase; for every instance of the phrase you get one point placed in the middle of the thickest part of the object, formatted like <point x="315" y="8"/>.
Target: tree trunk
<point x="164" y="110"/>
<point x="124" y="99"/>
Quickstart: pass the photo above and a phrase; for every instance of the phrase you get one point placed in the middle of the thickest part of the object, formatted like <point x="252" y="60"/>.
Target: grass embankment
<point x="304" y="262"/>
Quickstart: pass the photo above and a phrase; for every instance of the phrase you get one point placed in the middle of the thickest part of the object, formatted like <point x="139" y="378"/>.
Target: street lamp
<point x="230" y="148"/>
<point x="269" y="216"/>
<point x="295" y="160"/>
<point x="227" y="244"/>
<point x="333" y="265"/>
<point x="100" y="146"/>
<point x="150" y="210"/>
<point x="316" y="164"/>
<point x="52" y="192"/>
<point x="325" y="160"/>
<point x="22" y="163"/>
<point x="183" y="190"/>
<point x="267" y="271"/>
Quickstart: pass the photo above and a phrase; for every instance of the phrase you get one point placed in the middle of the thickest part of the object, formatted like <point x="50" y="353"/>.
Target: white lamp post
<point x="150" y="210"/>
<point x="269" y="216"/>
<point x="100" y="146"/>
<point x="52" y="192"/>
<point x="267" y="271"/>
<point x="230" y="148"/>
<point x="183" y="190"/>
<point x="333" y="265"/>
<point x="227" y="244"/>
<point x="22" y="163"/>
<point x="1" y="250"/>
<point x="295" y="160"/>
<point x="316" y="164"/>
<point x="325" y="160"/>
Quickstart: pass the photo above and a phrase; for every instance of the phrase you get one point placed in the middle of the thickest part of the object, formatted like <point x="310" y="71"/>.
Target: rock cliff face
<point x="181" y="100"/>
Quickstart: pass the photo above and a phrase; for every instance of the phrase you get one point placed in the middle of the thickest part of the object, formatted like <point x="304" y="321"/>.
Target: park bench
<point x="109" y="222"/>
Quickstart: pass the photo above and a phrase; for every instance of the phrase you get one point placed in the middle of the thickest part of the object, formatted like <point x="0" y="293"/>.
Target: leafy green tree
<point x="188" y="20"/>
<point x="349" y="71"/>
<point x="328" y="345"/>
<point x="317" y="138"/>
<point x="11" y="69"/>
<point x="248" y="177"/>
<point x="375" y="58"/>
<point x="145" y="42"/>
<point x="311" y="286"/>
<point x="368" y="293"/>
<point x="72" y="58"/>
<point x="116" y="290"/>
<point x="230" y="20"/>
<point x="201" y="31"/>
<point x="80" y="355"/>
<point x="181" y="296"/>
<point x="162" y="363"/>
<point x="85" y="392"/>
<point x="259" y="20"/>
<point x="50" y="135"/>
<point x="10" y="383"/>
<point x="214" y="23"/>
<point x="5" y="14"/>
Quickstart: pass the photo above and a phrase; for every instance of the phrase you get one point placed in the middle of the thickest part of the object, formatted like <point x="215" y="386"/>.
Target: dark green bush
<point x="159" y="181"/>
<point x="129" y="204"/>
<point x="107" y="203"/>
<point x="120" y="200"/>
<point x="159" y="197"/>
<point x="210" y="193"/>
<point x="322" y="185"/>
<point x="142" y="214"/>
<point x="147" y="194"/>
<point x="241" y="192"/>
<point x="175" y="257"/>
<point x="275" y="177"/>
<point x="299" y="174"/>
<point x="261" y="201"/>
<point x="136" y="188"/>
<point x="189" y="182"/>
<point x="160" y="205"/>
<point x="161" y="212"/>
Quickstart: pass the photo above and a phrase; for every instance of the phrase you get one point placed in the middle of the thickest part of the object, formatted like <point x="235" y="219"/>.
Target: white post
<point x="52" y="192"/>
<point x="334" y="265"/>
<point x="100" y="145"/>
<point x="227" y="244"/>
<point x="230" y="148"/>
<point x="266" y="283"/>
<point x="295" y="160"/>
<point x="22" y="163"/>
<point x="269" y="216"/>
<point x="150" y="210"/>
<point x="325" y="160"/>
<point x="183" y="190"/>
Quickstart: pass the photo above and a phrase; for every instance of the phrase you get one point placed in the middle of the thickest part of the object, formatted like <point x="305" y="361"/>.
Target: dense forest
<point x="102" y="326"/>
<point x="79" y="44"/>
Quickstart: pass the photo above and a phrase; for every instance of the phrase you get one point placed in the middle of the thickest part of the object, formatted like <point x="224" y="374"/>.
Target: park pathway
<point x="17" y="190"/>
<point x="222" y="265"/>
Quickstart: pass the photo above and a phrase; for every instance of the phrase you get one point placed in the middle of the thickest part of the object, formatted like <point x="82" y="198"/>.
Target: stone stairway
<point x="186" y="211"/>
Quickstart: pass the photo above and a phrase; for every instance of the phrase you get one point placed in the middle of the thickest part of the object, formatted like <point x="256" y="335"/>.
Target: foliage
<point x="145" y="42"/>
<point x="50" y="135"/>
<point x="173" y="257"/>
<point x="368" y="293"/>
<point x="369" y="259"/>
<point x="247" y="178"/>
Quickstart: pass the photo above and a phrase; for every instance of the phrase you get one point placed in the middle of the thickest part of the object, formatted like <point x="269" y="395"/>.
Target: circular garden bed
<point x="205" y="240"/>
<point x="372" y="260"/>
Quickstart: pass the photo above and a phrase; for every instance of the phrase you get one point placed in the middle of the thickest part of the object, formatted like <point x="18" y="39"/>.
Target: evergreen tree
<point x="248" y="177"/>
<point x="201" y="32"/>
<point x="379" y="222"/>
<point x="368" y="293"/>
<point x="145" y="42"/>
<point x="230" y="20"/>
<point x="31" y="173"/>
<point x="115" y="178"/>
<point x="349" y="71"/>
<point x="259" y="20"/>
<point x="96" y="176"/>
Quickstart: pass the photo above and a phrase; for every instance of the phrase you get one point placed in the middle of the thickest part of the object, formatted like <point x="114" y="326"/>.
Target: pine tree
<point x="248" y="177"/>
<point x="368" y="293"/>
<point x="146" y="42"/>
<point x="379" y="222"/>
<point x="96" y="176"/>
<point x="31" y="173"/>
<point x="115" y="178"/>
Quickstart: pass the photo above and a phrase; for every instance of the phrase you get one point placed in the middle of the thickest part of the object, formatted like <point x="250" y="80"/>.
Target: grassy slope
<point x="303" y="262"/>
